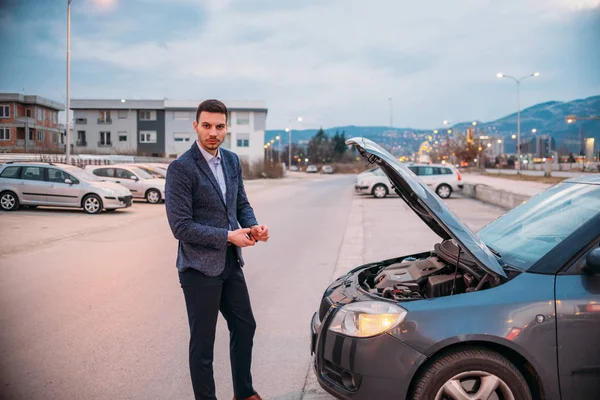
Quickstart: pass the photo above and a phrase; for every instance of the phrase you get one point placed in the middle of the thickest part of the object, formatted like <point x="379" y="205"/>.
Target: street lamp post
<point x="278" y="148"/>
<point x="68" y="123"/>
<point x="518" y="81"/>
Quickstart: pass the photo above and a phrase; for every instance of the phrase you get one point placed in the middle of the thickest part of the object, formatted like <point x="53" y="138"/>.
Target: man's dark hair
<point x="212" y="106"/>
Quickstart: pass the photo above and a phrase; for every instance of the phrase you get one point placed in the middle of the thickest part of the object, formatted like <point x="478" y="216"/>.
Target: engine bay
<point x="442" y="272"/>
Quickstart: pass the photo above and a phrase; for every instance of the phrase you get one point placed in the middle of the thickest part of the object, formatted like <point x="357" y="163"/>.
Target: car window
<point x="140" y="173"/>
<point x="425" y="171"/>
<point x="123" y="173"/>
<point x="109" y="172"/>
<point x="528" y="232"/>
<point x="447" y="171"/>
<point x="58" y="176"/>
<point x="10" y="172"/>
<point x="577" y="267"/>
<point x="415" y="170"/>
<point x="437" y="171"/>
<point x="33" y="174"/>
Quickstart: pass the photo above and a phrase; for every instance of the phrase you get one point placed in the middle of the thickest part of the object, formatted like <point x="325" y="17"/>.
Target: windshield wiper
<point x="494" y="252"/>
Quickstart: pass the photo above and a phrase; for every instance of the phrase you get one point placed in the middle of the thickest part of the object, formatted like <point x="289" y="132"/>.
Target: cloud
<point x="336" y="61"/>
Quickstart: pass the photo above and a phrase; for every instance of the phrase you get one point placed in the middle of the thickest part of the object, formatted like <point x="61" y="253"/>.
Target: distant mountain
<point x="546" y="118"/>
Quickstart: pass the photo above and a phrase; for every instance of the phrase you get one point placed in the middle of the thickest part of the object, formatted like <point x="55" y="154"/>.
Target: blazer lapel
<point x="230" y="176"/>
<point x="201" y="162"/>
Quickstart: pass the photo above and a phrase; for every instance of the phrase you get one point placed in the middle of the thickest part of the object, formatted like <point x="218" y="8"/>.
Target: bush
<point x="259" y="169"/>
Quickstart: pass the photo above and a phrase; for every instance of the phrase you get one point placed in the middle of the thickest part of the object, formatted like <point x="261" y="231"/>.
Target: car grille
<point x="126" y="199"/>
<point x="323" y="308"/>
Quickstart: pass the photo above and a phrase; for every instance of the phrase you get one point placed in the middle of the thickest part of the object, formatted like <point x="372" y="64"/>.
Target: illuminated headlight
<point x="367" y="318"/>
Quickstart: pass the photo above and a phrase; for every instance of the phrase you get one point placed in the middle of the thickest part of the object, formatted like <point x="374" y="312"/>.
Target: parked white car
<point x="36" y="184"/>
<point x="444" y="179"/>
<point x="141" y="184"/>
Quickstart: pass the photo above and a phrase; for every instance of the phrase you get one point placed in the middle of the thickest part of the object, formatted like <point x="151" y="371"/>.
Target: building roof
<point x="31" y="99"/>
<point x="116" y="104"/>
<point x="166" y="104"/>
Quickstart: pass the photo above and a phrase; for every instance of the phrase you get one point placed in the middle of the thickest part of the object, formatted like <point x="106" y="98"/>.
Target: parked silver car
<point x="59" y="185"/>
<point x="141" y="184"/>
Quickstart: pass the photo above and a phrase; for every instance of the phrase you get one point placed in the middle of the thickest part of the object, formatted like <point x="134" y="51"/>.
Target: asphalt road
<point x="91" y="308"/>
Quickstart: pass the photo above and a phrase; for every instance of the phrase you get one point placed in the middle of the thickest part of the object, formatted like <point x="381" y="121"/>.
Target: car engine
<point x="436" y="274"/>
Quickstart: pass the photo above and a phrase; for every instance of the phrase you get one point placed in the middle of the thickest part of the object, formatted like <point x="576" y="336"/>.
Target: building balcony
<point x="104" y="121"/>
<point x="80" y="121"/>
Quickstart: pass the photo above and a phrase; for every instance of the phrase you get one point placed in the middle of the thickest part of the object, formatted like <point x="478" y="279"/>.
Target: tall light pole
<point x="278" y="148"/>
<point x="518" y="81"/>
<point x="68" y="122"/>
<point x="448" y="132"/>
<point x="289" y="131"/>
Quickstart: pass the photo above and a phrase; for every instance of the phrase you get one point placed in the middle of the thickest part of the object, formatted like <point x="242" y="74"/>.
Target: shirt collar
<point x="207" y="156"/>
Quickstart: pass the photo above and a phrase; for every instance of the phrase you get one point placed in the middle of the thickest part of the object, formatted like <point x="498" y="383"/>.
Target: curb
<point x="490" y="195"/>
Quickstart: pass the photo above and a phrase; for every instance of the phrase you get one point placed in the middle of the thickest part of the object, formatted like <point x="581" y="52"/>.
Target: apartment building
<point x="245" y="137"/>
<point x="161" y="127"/>
<point x="29" y="124"/>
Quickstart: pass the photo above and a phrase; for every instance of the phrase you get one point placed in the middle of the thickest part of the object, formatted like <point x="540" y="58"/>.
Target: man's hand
<point x="260" y="233"/>
<point x="241" y="237"/>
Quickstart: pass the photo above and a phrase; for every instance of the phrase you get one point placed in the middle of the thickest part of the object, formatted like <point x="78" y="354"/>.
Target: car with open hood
<point x="512" y="312"/>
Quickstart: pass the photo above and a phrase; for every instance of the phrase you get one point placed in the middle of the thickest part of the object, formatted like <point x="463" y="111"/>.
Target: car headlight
<point x="367" y="318"/>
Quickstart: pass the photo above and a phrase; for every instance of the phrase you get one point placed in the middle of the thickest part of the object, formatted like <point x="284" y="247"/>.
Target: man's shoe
<point x="255" y="396"/>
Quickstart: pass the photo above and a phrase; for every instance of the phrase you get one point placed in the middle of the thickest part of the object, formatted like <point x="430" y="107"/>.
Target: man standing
<point x="206" y="205"/>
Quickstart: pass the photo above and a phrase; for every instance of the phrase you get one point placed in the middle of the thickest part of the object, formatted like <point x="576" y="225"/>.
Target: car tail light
<point x="593" y="308"/>
<point x="459" y="177"/>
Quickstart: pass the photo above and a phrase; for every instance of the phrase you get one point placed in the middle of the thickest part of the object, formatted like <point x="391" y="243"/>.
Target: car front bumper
<point x="111" y="202"/>
<point x="361" y="188"/>
<point x="381" y="367"/>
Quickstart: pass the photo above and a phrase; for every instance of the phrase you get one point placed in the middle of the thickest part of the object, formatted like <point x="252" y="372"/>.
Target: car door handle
<point x="50" y="186"/>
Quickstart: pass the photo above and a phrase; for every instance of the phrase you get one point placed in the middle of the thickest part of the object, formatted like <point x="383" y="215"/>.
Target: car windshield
<point x="527" y="233"/>
<point x="141" y="173"/>
<point x="83" y="175"/>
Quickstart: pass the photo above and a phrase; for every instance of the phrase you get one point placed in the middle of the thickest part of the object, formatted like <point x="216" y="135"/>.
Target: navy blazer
<point x="199" y="216"/>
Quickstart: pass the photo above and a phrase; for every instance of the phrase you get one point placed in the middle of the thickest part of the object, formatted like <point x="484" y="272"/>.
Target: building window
<point x="40" y="136"/>
<point x="147" y="136"/>
<point x="4" y="111"/>
<point x="55" y="117"/>
<point x="122" y="136"/>
<point x="4" y="133"/>
<point x="123" y="114"/>
<point x="28" y="113"/>
<point x="104" y="139"/>
<point x="147" y="115"/>
<point x="81" y="139"/>
<point x="31" y="134"/>
<point x="39" y="114"/>
<point x="181" y="137"/>
<point x="242" y="118"/>
<point x="55" y="137"/>
<point x="104" y="117"/>
<point x="243" y="140"/>
<point x="183" y="115"/>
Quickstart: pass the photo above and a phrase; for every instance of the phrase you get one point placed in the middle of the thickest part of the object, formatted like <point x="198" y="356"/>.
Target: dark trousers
<point x="204" y="297"/>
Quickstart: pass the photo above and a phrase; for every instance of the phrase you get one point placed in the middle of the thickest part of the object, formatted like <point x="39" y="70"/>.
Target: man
<point x="206" y="205"/>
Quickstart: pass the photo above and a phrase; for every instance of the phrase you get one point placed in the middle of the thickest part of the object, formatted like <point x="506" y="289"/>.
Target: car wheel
<point x="444" y="191"/>
<point x="471" y="374"/>
<point x="9" y="201"/>
<point x="153" y="196"/>
<point x="380" y="191"/>
<point x="92" y="204"/>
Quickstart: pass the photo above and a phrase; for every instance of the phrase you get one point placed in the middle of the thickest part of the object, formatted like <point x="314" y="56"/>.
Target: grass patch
<point x="551" y="180"/>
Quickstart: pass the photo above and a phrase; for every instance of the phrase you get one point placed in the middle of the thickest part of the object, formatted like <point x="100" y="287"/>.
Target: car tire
<point x="471" y="373"/>
<point x="9" y="201"/>
<point x="444" y="191"/>
<point x="153" y="196"/>
<point x="92" y="204"/>
<point x="379" y="191"/>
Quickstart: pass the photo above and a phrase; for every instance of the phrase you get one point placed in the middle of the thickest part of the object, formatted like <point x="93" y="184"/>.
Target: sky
<point x="333" y="62"/>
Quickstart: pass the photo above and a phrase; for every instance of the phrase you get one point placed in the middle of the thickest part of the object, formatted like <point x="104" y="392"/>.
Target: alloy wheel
<point x="380" y="192"/>
<point x="153" y="196"/>
<point x="8" y="201"/>
<point x="444" y="191"/>
<point x="92" y="205"/>
<point x="475" y="385"/>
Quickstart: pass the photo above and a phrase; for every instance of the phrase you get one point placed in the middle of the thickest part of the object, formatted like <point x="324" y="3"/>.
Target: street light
<point x="278" y="148"/>
<point x="289" y="131"/>
<point x="533" y="130"/>
<point x="514" y="136"/>
<point x="518" y="81"/>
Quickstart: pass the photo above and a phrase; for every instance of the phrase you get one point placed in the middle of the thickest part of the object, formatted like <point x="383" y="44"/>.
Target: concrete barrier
<point x="494" y="196"/>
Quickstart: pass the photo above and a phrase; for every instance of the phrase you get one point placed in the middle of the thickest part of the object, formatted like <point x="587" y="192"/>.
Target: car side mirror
<point x="592" y="262"/>
<point x="68" y="181"/>
<point x="135" y="178"/>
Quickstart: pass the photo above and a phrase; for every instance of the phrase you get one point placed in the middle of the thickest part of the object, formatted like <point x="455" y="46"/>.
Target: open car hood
<point x="428" y="206"/>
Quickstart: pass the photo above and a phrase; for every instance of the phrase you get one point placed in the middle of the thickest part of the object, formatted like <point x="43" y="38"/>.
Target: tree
<point x="320" y="148"/>
<point x="339" y="146"/>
